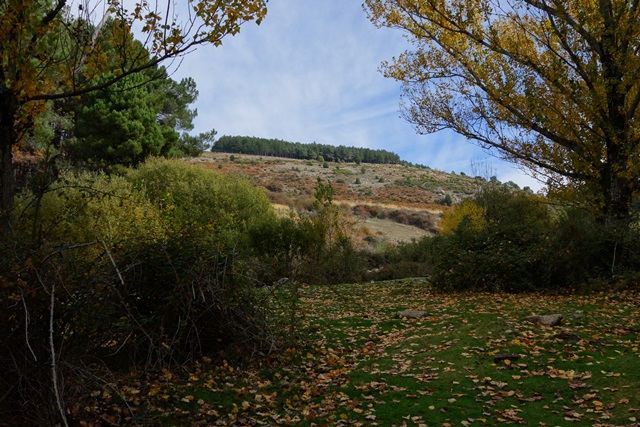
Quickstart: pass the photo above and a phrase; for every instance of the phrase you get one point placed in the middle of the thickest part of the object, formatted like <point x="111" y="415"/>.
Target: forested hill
<point x="298" y="150"/>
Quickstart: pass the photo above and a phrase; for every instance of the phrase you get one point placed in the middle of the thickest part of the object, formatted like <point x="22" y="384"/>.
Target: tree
<point x="193" y="146"/>
<point x="49" y="52"/>
<point x="130" y="120"/>
<point x="118" y="126"/>
<point x="553" y="85"/>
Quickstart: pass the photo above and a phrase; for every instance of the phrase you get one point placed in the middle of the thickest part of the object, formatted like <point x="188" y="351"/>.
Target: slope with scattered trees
<point x="117" y="266"/>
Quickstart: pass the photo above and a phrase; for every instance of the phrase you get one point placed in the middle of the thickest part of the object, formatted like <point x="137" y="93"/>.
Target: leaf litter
<point x="472" y="360"/>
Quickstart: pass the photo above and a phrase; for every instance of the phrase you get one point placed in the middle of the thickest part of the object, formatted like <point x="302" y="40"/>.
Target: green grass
<point x="361" y="364"/>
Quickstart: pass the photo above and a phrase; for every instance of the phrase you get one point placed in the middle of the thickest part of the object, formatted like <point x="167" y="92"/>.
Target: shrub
<point x="197" y="197"/>
<point x="468" y="211"/>
<point x="494" y="242"/>
<point x="510" y="240"/>
<point x="310" y="247"/>
<point x="407" y="259"/>
<point x="447" y="200"/>
<point x="144" y="270"/>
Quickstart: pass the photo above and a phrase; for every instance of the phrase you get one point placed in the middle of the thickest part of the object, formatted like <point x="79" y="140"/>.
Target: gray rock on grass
<point x="546" y="320"/>
<point x="413" y="314"/>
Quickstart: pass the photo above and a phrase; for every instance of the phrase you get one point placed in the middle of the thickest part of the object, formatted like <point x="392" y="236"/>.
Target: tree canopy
<point x="553" y="85"/>
<point x="49" y="51"/>
<point x="130" y="120"/>
<point x="298" y="150"/>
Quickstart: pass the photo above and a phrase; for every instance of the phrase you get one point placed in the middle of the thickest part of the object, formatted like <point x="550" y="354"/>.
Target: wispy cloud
<point x="310" y="73"/>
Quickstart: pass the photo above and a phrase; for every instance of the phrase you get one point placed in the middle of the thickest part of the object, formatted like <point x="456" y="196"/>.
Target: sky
<point x="310" y="73"/>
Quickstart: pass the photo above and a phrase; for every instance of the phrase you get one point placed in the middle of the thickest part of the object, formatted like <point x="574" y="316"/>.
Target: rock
<point x="546" y="320"/>
<point x="414" y="314"/>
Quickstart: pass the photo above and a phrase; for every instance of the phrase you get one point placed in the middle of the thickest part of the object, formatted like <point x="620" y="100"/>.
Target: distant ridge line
<point x="304" y="151"/>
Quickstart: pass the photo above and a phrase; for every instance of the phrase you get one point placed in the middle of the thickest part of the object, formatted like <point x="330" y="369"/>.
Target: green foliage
<point x="307" y="247"/>
<point x="404" y="260"/>
<point x="297" y="150"/>
<point x="199" y="197"/>
<point x="147" y="269"/>
<point x="138" y="117"/>
<point x="446" y="200"/>
<point x="339" y="171"/>
<point x="193" y="146"/>
<point x="523" y="245"/>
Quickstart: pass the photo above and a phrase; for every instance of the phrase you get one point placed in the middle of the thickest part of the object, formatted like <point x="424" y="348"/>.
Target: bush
<point x="310" y="247"/>
<point x="494" y="242"/>
<point x="144" y="270"/>
<point x="407" y="259"/>
<point x="506" y="240"/>
<point x="447" y="200"/>
<point x="197" y="197"/>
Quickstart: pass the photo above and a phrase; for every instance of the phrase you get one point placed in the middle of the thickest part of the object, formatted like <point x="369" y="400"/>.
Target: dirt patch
<point x="391" y="231"/>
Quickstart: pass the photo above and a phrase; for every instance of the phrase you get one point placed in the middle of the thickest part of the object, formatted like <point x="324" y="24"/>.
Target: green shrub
<point x="155" y="267"/>
<point x="197" y="197"/>
<point x="505" y="253"/>
<point x="148" y="269"/>
<point x="311" y="247"/>
<point x="446" y="200"/>
<point x="523" y="245"/>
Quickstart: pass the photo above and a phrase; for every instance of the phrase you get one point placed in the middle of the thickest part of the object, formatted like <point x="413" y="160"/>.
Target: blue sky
<point x="310" y="72"/>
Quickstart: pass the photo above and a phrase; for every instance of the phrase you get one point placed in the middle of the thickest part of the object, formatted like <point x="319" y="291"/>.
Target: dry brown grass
<point x="290" y="183"/>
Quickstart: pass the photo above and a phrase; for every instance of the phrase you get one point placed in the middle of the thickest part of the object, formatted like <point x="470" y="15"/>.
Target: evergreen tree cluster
<point x="298" y="150"/>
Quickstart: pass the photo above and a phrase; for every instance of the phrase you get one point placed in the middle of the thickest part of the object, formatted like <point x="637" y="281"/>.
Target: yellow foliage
<point x="467" y="210"/>
<point x="552" y="85"/>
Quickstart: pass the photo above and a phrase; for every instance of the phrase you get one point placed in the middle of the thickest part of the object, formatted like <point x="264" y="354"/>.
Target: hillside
<point x="390" y="202"/>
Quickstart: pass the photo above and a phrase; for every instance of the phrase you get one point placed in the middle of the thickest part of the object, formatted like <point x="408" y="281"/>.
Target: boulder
<point x="546" y="320"/>
<point x="414" y="314"/>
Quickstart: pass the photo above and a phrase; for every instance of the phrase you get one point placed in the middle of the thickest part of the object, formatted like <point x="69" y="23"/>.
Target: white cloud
<point x="309" y="73"/>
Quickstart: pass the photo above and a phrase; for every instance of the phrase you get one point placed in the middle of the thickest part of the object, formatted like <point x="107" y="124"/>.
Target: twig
<point x="26" y="327"/>
<point x="96" y="378"/>
<point x="113" y="262"/>
<point x="54" y="370"/>
<point x="126" y="306"/>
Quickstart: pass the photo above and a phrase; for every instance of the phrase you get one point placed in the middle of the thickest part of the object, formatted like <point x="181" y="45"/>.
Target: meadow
<point x="472" y="359"/>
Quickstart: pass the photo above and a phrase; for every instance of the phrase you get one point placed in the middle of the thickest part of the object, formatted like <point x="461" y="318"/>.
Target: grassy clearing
<point x="363" y="365"/>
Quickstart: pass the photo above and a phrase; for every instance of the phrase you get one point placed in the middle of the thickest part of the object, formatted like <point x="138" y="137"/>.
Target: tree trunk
<point x="617" y="189"/>
<point x="7" y="175"/>
<point x="618" y="195"/>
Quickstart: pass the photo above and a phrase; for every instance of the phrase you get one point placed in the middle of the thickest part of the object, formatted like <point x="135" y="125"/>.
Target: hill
<point x="392" y="202"/>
